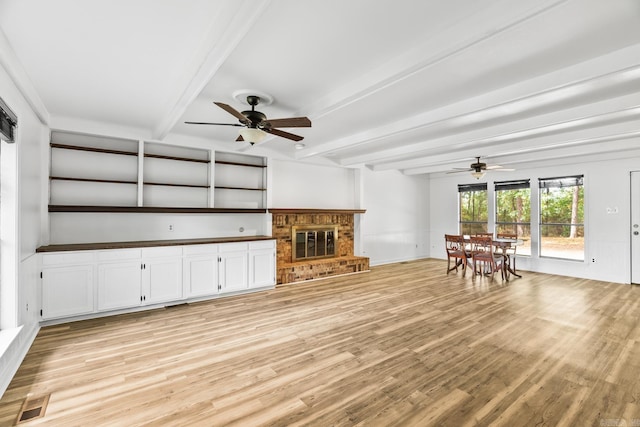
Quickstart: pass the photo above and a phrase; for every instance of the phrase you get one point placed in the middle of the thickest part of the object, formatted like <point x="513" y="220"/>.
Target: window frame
<point x="468" y="188"/>
<point x="506" y="186"/>
<point x="560" y="182"/>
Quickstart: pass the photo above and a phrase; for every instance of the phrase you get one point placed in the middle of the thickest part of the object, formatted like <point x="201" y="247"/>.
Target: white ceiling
<point x="420" y="86"/>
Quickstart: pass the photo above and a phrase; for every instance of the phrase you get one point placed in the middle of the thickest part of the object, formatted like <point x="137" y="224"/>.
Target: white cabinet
<point x="262" y="263"/>
<point x="200" y="270"/>
<point x="233" y="267"/>
<point x="161" y="274"/>
<point x="79" y="283"/>
<point x="67" y="291"/>
<point x="118" y="278"/>
<point x="118" y="285"/>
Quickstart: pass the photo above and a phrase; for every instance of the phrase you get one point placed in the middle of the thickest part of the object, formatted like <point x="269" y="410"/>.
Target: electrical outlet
<point x="170" y="227"/>
<point x="593" y="260"/>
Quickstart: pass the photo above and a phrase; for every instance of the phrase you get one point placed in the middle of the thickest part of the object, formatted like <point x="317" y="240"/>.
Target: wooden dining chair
<point x="511" y="251"/>
<point x="483" y="234"/>
<point x="483" y="251"/>
<point x="456" y="250"/>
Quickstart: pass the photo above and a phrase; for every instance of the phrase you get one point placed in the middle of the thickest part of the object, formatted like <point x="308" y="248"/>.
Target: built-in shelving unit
<point x="91" y="170"/>
<point x="240" y="180"/>
<point x="91" y="173"/>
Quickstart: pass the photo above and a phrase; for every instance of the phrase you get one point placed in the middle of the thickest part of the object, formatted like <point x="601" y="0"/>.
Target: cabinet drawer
<point x="68" y="258"/>
<point x="232" y="247"/>
<point x="162" y="251"/>
<point x="262" y="244"/>
<point x="201" y="249"/>
<point x="118" y="254"/>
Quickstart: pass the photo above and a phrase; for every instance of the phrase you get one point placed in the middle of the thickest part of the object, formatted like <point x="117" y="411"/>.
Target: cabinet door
<point x="67" y="291"/>
<point x="233" y="271"/>
<point x="262" y="267"/>
<point x="162" y="280"/>
<point x="118" y="285"/>
<point x="201" y="275"/>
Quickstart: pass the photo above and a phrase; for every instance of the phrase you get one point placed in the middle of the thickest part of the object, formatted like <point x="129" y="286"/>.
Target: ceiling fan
<point x="256" y="125"/>
<point x="479" y="168"/>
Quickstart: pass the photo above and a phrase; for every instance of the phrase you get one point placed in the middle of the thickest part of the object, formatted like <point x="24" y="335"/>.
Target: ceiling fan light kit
<point x="255" y="124"/>
<point x="477" y="174"/>
<point x="252" y="135"/>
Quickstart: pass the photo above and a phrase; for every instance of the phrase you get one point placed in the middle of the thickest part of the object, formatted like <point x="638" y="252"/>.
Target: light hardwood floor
<point x="402" y="345"/>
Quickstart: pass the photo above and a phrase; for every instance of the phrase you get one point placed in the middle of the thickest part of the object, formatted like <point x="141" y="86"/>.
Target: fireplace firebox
<point x="313" y="242"/>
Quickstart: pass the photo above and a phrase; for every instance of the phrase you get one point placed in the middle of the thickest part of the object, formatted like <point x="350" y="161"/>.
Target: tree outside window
<point x="473" y="208"/>
<point x="562" y="217"/>
<point x="513" y="211"/>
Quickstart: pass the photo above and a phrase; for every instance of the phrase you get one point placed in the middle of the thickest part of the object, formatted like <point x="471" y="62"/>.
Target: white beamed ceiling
<point x="419" y="86"/>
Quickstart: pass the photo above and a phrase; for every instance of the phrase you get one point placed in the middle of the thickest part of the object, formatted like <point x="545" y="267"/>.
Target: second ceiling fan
<point x="256" y="125"/>
<point x="479" y="168"/>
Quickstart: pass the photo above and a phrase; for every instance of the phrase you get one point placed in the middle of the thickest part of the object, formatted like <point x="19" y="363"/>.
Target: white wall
<point x="295" y="184"/>
<point x="119" y="227"/>
<point x="607" y="236"/>
<point x="395" y="226"/>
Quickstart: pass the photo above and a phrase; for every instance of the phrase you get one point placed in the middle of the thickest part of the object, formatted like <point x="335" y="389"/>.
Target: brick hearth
<point x="344" y="262"/>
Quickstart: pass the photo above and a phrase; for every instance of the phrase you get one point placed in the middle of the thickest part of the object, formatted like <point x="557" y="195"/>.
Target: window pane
<point x="523" y="231"/>
<point x="557" y="205"/>
<point x="473" y="212"/>
<point x="513" y="205"/>
<point x="470" y="228"/>
<point x="555" y="242"/>
<point x="562" y="218"/>
<point x="473" y="206"/>
<point x="513" y="216"/>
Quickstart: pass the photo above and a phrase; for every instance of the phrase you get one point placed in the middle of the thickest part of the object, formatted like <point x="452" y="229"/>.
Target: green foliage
<point x="556" y="207"/>
<point x="473" y="206"/>
<point x="556" y="204"/>
<point x="513" y="205"/>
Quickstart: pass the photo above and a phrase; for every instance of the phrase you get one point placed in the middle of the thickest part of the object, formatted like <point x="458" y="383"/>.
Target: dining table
<point x="504" y="244"/>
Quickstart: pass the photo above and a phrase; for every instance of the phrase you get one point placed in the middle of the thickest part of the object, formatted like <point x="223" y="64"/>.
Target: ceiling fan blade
<point x="292" y="122"/>
<point x="501" y="169"/>
<point x="237" y="114"/>
<point x="460" y="170"/>
<point x="498" y="168"/>
<point x="216" y="124"/>
<point x="284" y="134"/>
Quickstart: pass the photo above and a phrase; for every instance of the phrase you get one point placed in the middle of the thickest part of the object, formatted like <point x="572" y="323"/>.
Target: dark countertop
<point x="147" y="243"/>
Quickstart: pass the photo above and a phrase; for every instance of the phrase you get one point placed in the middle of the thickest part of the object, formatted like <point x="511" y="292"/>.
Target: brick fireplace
<point x="285" y="224"/>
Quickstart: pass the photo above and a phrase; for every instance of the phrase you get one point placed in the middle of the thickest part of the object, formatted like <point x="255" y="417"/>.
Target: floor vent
<point x="33" y="408"/>
<point x="182" y="304"/>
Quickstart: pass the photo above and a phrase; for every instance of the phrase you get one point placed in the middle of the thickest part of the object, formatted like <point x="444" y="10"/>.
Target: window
<point x="513" y="211"/>
<point x="473" y="208"/>
<point x="8" y="123"/>
<point x="562" y="217"/>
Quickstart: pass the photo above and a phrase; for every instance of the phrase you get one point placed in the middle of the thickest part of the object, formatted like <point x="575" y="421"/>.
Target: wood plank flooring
<point x="402" y="345"/>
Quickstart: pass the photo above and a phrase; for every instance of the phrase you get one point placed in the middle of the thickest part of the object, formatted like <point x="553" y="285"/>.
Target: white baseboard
<point x="14" y="345"/>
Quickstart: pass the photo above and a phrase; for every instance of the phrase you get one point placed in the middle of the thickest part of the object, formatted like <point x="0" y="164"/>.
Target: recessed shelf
<point x="222" y="162"/>
<point x="240" y="188"/>
<point x="176" y="185"/>
<point x="94" y="149"/>
<point x="148" y="209"/>
<point x="112" y="181"/>
<point x="182" y="159"/>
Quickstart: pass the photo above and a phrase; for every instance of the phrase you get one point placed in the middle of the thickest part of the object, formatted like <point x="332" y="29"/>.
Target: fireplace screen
<point x="314" y="242"/>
